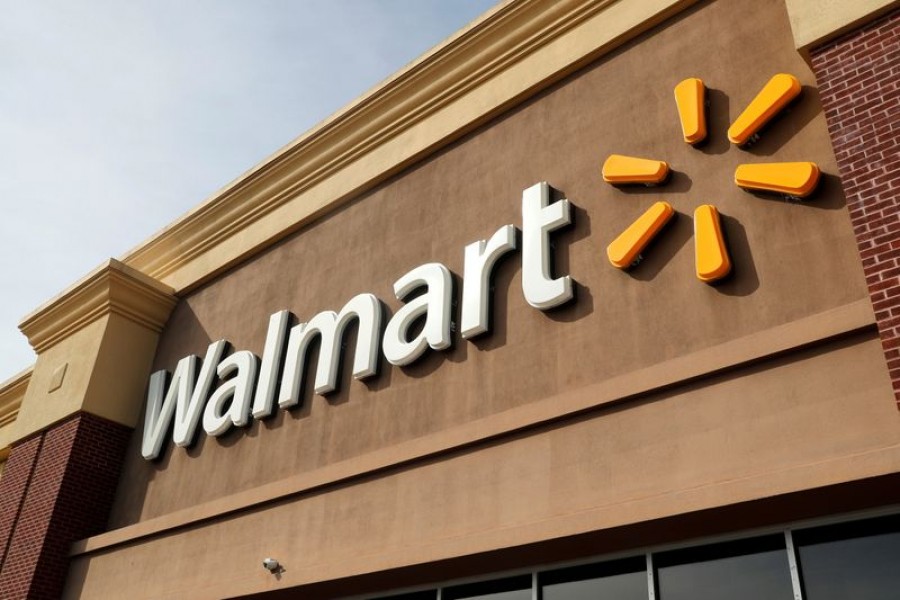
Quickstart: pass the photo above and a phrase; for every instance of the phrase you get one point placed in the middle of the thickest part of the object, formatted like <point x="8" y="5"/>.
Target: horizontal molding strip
<point x="511" y="53"/>
<point x="12" y="392"/>
<point x="873" y="463"/>
<point x="113" y="287"/>
<point x="809" y="331"/>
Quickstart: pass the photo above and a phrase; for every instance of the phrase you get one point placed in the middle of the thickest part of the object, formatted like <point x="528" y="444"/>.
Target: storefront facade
<point x="435" y="379"/>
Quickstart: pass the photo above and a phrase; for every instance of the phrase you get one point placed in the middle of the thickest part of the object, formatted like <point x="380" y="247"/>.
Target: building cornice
<point x="112" y="288"/>
<point x="12" y="392"/>
<point x="817" y="22"/>
<point x="471" y="77"/>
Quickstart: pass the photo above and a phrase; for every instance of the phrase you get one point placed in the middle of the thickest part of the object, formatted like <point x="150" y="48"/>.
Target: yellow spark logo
<point x="791" y="179"/>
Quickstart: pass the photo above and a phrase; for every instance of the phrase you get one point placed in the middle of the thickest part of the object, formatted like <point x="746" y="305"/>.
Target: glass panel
<point x="744" y="570"/>
<point x="614" y="580"/>
<point x="511" y="588"/>
<point x="858" y="560"/>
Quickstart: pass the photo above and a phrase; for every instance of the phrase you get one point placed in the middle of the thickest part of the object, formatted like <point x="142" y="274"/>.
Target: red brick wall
<point x="859" y="82"/>
<point x="13" y="485"/>
<point x="66" y="497"/>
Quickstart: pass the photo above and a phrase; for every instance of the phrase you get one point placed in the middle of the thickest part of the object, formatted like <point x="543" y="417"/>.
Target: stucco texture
<point x="791" y="259"/>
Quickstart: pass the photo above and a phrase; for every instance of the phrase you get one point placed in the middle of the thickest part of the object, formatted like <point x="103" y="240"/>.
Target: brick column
<point x="13" y="485"/>
<point x="859" y="83"/>
<point x="57" y="488"/>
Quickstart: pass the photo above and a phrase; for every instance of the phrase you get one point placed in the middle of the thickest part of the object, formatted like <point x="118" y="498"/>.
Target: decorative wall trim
<point x="475" y="75"/>
<point x="816" y="22"/>
<point x="112" y="288"/>
<point x="12" y="392"/>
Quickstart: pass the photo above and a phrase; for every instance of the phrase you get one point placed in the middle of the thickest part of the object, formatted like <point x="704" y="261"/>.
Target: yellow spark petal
<point x="774" y="96"/>
<point x="620" y="169"/>
<point x="626" y="248"/>
<point x="712" y="260"/>
<point x="690" y="97"/>
<point x="791" y="178"/>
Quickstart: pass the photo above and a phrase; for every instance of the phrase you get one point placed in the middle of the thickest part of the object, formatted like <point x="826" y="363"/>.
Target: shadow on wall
<point x="562" y="241"/>
<point x="183" y="330"/>
<point x="787" y="123"/>
<point x="717" y="123"/>
<point x="744" y="279"/>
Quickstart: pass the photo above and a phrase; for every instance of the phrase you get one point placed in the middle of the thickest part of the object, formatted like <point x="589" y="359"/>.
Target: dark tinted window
<point x="858" y="560"/>
<point x="511" y="588"/>
<point x="424" y="595"/>
<point x="615" y="580"/>
<point x="744" y="570"/>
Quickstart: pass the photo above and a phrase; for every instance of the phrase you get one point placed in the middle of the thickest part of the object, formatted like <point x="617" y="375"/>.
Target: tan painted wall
<point x="119" y="375"/>
<point x="77" y="354"/>
<point x="791" y="260"/>
<point x="106" y="363"/>
<point x="770" y="384"/>
<point x="751" y="434"/>
<point x="251" y="212"/>
<point x="95" y="343"/>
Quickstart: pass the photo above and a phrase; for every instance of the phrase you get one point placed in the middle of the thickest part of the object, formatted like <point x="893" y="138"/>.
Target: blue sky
<point x="117" y="117"/>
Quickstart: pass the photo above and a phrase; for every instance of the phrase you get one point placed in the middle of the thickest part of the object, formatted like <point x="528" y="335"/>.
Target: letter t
<point x="539" y="218"/>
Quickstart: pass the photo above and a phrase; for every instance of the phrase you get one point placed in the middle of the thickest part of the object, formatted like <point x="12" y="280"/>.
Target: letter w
<point x="184" y="400"/>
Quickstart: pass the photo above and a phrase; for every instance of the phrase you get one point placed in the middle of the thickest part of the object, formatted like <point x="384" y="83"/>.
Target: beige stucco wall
<point x="12" y="392"/>
<point x="651" y="396"/>
<point x="815" y="22"/>
<point x="751" y="434"/>
<point x="791" y="260"/>
<point x="77" y="355"/>
<point x="95" y="344"/>
<point x="309" y="177"/>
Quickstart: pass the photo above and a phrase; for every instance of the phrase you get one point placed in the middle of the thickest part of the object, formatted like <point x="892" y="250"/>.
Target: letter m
<point x="330" y="326"/>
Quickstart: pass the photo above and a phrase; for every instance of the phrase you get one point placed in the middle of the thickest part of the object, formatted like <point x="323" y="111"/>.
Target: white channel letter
<point x="331" y="327"/>
<point x="539" y="218"/>
<point x="480" y="258"/>
<point x="184" y="399"/>
<point x="238" y="389"/>
<point x="435" y="303"/>
<point x="273" y="353"/>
